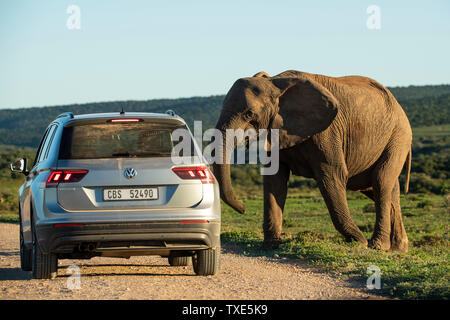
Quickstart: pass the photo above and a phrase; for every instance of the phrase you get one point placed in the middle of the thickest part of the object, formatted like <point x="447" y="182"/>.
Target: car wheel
<point x="25" y="253"/>
<point x="179" y="261"/>
<point x="44" y="266"/>
<point x="206" y="262"/>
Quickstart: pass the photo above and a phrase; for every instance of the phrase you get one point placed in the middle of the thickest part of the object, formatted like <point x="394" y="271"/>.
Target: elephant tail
<point x="408" y="171"/>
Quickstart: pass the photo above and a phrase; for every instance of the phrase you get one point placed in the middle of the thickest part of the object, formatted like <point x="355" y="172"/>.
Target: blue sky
<point x="136" y="50"/>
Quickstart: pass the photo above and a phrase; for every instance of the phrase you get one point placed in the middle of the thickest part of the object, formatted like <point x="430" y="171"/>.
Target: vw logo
<point x="130" y="173"/>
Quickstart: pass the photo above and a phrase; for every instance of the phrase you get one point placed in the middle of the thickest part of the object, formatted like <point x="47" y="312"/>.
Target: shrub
<point x="370" y="207"/>
<point x="425" y="204"/>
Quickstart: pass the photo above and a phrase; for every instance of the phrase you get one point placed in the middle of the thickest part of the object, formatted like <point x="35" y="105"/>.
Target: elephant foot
<point x="362" y="240"/>
<point x="363" y="243"/>
<point x="399" y="245"/>
<point x="271" y="244"/>
<point x="378" y="244"/>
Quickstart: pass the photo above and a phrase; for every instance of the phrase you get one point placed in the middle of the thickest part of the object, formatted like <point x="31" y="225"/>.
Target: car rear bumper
<point x="127" y="238"/>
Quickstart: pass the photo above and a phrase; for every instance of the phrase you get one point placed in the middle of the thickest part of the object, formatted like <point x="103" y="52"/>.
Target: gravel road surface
<point x="149" y="277"/>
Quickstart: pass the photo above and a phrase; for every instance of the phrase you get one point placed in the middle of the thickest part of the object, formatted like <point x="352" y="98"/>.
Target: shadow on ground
<point x="14" y="274"/>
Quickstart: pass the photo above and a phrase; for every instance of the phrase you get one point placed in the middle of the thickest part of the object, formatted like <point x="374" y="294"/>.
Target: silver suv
<point x="106" y="185"/>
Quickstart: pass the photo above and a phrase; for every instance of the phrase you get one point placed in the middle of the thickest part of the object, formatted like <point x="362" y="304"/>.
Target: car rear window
<point x="118" y="140"/>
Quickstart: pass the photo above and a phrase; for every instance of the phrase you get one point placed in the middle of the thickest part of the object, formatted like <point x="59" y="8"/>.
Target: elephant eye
<point x="248" y="114"/>
<point x="256" y="91"/>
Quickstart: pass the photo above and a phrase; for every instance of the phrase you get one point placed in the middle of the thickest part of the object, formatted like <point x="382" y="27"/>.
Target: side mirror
<point x="20" y="166"/>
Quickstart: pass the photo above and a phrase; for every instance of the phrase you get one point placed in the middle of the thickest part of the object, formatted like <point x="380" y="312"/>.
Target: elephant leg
<point x="275" y="191"/>
<point x="381" y="235"/>
<point x="387" y="200"/>
<point x="399" y="238"/>
<point x="334" y="193"/>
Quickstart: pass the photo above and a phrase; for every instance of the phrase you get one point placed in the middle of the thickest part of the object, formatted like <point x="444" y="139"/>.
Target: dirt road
<point x="152" y="278"/>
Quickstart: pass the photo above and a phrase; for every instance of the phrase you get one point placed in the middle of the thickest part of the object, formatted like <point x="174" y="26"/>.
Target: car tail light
<point x="124" y="120"/>
<point x="58" y="225"/>
<point x="64" y="176"/>
<point x="194" y="173"/>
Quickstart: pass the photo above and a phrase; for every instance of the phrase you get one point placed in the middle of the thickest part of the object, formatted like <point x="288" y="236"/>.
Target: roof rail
<point x="170" y="112"/>
<point x="65" y="114"/>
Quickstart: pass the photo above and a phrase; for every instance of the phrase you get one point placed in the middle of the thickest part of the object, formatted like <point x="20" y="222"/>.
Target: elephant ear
<point x="305" y="109"/>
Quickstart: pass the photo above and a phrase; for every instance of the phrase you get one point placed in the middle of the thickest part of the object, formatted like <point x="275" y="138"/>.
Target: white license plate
<point x="130" y="194"/>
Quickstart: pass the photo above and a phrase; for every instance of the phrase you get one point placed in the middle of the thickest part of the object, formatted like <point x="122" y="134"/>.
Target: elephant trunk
<point x="223" y="176"/>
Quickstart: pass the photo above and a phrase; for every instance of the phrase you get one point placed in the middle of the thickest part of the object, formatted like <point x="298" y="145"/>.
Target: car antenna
<point x="122" y="113"/>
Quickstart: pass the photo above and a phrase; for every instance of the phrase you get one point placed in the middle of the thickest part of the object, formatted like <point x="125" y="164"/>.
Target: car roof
<point x="69" y="117"/>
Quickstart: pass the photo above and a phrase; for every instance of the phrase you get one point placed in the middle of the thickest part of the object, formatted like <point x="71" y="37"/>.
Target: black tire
<point x="179" y="261"/>
<point x="206" y="262"/>
<point x="44" y="266"/>
<point x="25" y="253"/>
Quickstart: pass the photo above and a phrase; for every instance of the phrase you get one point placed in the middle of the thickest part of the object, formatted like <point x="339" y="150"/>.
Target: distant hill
<point x="424" y="105"/>
<point x="418" y="92"/>
<point x="25" y="126"/>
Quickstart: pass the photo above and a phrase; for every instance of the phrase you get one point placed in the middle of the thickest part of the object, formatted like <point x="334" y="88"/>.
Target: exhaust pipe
<point x="88" y="247"/>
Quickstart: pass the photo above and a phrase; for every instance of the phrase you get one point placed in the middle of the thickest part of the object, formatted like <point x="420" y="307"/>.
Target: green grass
<point x="9" y="208"/>
<point x="438" y="130"/>
<point x="422" y="273"/>
<point x="10" y="183"/>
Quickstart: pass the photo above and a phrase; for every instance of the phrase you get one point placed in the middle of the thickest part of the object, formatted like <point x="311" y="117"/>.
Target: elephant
<point x="347" y="133"/>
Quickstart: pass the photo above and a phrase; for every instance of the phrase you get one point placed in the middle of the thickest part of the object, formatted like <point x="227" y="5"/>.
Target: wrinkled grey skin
<point x="346" y="133"/>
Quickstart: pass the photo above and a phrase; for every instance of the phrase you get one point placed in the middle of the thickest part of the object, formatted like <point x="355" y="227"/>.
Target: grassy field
<point x="422" y="273"/>
<point x="8" y="199"/>
<point x="438" y="130"/>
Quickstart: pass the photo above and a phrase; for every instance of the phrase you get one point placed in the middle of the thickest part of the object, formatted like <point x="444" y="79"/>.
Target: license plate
<point x="130" y="194"/>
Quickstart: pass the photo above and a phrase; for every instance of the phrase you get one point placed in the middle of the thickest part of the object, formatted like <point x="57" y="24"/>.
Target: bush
<point x="370" y="207"/>
<point x="300" y="182"/>
<point x="447" y="201"/>
<point x="8" y="203"/>
<point x="425" y="204"/>
<point x="420" y="182"/>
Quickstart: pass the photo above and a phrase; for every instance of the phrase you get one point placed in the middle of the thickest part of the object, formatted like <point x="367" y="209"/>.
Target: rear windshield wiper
<point x="160" y="154"/>
<point x="143" y="154"/>
<point x="123" y="154"/>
